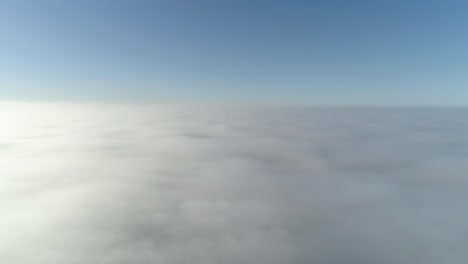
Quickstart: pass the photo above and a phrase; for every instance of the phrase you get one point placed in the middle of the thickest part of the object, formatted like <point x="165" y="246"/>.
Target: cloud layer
<point x="84" y="184"/>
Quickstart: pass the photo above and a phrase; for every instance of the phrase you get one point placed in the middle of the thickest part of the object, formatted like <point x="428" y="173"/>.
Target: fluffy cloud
<point x="178" y="185"/>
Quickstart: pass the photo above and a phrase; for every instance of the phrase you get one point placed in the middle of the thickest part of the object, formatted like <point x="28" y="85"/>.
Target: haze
<point x="233" y="132"/>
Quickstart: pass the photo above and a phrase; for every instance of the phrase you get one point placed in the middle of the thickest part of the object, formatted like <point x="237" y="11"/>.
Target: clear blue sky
<point x="249" y="51"/>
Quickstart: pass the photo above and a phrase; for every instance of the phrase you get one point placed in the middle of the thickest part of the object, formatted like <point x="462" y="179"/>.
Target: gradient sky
<point x="374" y="52"/>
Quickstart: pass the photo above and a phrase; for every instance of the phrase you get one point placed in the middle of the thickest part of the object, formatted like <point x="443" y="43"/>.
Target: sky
<point x="338" y="52"/>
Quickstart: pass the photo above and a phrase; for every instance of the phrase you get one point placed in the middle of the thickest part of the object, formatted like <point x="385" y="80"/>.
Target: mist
<point x="84" y="183"/>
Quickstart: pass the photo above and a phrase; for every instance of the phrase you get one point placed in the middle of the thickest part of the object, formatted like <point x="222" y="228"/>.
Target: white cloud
<point x="179" y="185"/>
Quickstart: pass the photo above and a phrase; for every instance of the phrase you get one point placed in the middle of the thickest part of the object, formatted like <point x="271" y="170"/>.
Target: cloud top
<point x="178" y="185"/>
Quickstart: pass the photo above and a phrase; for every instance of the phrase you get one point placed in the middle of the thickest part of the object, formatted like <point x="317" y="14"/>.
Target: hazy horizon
<point x="233" y="132"/>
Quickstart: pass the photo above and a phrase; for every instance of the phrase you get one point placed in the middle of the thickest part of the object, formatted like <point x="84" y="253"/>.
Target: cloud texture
<point x="84" y="184"/>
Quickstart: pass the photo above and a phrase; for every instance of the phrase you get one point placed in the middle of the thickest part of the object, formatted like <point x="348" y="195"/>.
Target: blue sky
<point x="372" y="52"/>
